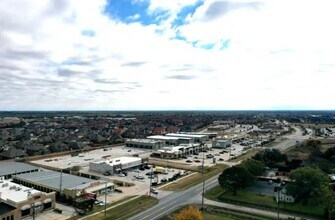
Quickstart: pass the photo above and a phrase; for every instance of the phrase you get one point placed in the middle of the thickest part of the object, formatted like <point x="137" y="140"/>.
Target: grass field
<point x="248" y="198"/>
<point x="216" y="213"/>
<point x="250" y="153"/>
<point x="123" y="211"/>
<point x="195" y="179"/>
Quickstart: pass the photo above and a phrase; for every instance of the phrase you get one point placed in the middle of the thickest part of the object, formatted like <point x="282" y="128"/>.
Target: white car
<point x="121" y="175"/>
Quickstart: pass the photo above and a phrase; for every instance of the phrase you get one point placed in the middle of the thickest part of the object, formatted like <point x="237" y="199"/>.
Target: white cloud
<point x="278" y="56"/>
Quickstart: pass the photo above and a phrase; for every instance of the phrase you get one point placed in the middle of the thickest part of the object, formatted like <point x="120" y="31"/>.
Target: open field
<point x="194" y="179"/>
<point x="249" y="154"/>
<point x="216" y="213"/>
<point x="127" y="209"/>
<point x="247" y="198"/>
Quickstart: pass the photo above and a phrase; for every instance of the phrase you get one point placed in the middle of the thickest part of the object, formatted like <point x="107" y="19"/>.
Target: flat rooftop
<point x="146" y="141"/>
<point x="161" y="137"/>
<point x="120" y="160"/>
<point x="52" y="179"/>
<point x="83" y="159"/>
<point x="7" y="168"/>
<point x="186" y="135"/>
<point x="15" y="192"/>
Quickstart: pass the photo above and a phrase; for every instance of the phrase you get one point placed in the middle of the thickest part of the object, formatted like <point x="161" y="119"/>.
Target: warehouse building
<point x="66" y="185"/>
<point x="171" y="141"/>
<point x="145" y="144"/>
<point x="196" y="138"/>
<point x="9" y="169"/>
<point x="179" y="151"/>
<point x="221" y="142"/>
<point x="18" y="201"/>
<point x="115" y="165"/>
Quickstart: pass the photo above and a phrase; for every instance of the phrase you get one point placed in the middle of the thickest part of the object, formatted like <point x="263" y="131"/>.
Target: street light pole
<point x="203" y="184"/>
<point x="150" y="181"/>
<point x="105" y="199"/>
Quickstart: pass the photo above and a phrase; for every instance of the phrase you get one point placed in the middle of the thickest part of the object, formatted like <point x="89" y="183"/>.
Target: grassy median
<point x="195" y="179"/>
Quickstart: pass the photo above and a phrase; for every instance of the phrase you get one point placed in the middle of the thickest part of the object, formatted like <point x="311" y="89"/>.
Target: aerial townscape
<point x="167" y="110"/>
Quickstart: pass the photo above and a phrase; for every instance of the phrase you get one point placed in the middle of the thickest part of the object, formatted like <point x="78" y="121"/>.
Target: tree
<point x="255" y="167"/>
<point x="190" y="213"/>
<point x="234" y="178"/>
<point x="270" y="156"/>
<point x="329" y="153"/>
<point x="305" y="182"/>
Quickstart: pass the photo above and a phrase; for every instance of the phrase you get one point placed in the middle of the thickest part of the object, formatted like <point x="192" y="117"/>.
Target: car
<point x="106" y="174"/>
<point x="125" y="173"/>
<point x="195" y="153"/>
<point x="197" y="161"/>
<point x="147" y="167"/>
<point x="216" y="154"/>
<point x="189" y="161"/>
<point x="164" y="180"/>
<point x="153" y="190"/>
<point x="142" y="169"/>
<point x="121" y="175"/>
<point x="195" y="157"/>
<point x="102" y="203"/>
<point x="137" y="171"/>
<point x="184" y="157"/>
<point x="139" y="177"/>
<point x="129" y="150"/>
<point x="97" y="201"/>
<point x="220" y="159"/>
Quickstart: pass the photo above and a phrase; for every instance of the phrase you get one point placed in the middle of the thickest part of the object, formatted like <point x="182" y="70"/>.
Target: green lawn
<point x="128" y="209"/>
<point x="248" y="198"/>
<point x="192" y="180"/>
<point x="216" y="213"/>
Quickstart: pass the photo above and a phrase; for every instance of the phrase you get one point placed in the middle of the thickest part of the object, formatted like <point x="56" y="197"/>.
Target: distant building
<point x="18" y="201"/>
<point x="196" y="138"/>
<point x="179" y="151"/>
<point x="174" y="141"/>
<point x="221" y="142"/>
<point x="144" y="144"/>
<point x="159" y="130"/>
<point x="115" y="165"/>
<point x="12" y="153"/>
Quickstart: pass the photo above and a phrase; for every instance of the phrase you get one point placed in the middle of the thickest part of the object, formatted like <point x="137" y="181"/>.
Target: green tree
<point x="306" y="182"/>
<point x="270" y="156"/>
<point x="255" y="167"/>
<point x="234" y="178"/>
<point x="329" y="153"/>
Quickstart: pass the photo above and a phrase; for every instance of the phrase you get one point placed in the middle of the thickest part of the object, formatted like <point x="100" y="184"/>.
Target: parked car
<point x="153" y="190"/>
<point x="106" y="174"/>
<point x="137" y="171"/>
<point x="103" y="203"/>
<point x="139" y="177"/>
<point x="220" y="159"/>
<point x="122" y="175"/>
<point x="142" y="169"/>
<point x="164" y="180"/>
<point x="188" y="161"/>
<point x="197" y="161"/>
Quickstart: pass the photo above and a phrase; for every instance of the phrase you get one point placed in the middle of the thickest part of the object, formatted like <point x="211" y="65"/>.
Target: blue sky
<point x="167" y="55"/>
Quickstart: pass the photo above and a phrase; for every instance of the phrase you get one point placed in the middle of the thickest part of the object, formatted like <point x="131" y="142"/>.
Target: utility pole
<point x="278" y="204"/>
<point x="105" y="199"/>
<point x="34" y="210"/>
<point x="60" y="183"/>
<point x="150" y="181"/>
<point x="203" y="183"/>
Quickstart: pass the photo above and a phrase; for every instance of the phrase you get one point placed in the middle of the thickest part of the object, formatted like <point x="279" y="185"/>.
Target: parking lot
<point x="84" y="158"/>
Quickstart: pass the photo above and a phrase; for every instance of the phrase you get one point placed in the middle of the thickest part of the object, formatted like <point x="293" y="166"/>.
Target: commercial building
<point x="115" y="165"/>
<point x="179" y="151"/>
<point x="18" y="201"/>
<point x="66" y="185"/>
<point x="221" y="142"/>
<point x="171" y="141"/>
<point x="144" y="144"/>
<point x="196" y="138"/>
<point x="9" y="169"/>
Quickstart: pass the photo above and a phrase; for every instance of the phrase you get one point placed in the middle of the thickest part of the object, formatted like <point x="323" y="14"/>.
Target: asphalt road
<point x="176" y="200"/>
<point x="291" y="140"/>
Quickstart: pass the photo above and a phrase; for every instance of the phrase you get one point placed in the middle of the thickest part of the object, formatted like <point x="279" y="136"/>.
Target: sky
<point x="167" y="55"/>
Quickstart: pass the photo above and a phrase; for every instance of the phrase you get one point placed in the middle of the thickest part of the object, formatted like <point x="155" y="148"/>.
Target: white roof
<point x="186" y="135"/>
<point x="161" y="137"/>
<point x="120" y="160"/>
<point x="147" y="141"/>
<point x="15" y="192"/>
